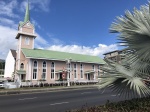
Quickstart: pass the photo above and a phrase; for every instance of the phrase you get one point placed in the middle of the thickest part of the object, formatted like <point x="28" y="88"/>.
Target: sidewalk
<point x="49" y="89"/>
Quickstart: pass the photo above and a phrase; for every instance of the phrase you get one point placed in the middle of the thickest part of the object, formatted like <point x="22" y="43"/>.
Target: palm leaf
<point x="122" y="80"/>
<point x="134" y="32"/>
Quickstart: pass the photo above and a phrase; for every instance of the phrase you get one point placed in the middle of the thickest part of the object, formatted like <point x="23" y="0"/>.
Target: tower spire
<point x="27" y="14"/>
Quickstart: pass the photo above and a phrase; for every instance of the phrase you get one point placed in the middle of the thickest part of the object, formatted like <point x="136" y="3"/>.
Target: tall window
<point x="22" y="66"/>
<point x="93" y="67"/>
<point x="52" y="70"/>
<point x="35" y="70"/>
<point x="44" y="70"/>
<point x="69" y="67"/>
<point x="81" y="70"/>
<point x="98" y="70"/>
<point x="75" y="70"/>
<point x="27" y="41"/>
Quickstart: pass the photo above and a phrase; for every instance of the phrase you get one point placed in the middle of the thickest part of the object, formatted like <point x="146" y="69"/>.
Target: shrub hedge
<point x="134" y="105"/>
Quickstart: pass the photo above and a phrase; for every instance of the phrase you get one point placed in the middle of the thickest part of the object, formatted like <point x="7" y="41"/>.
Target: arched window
<point x="27" y="41"/>
<point x="75" y="70"/>
<point x="81" y="70"/>
<point x="98" y="70"/>
<point x="35" y="63"/>
<point x="44" y="70"/>
<point x="52" y="70"/>
<point x="93" y="67"/>
<point x="22" y="66"/>
<point x="35" y="70"/>
<point x="69" y="69"/>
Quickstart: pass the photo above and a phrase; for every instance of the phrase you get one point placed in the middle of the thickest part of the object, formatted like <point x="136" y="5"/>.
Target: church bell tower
<point x="25" y="37"/>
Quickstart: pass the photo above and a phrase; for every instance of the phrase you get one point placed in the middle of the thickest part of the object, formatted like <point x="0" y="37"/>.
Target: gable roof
<point x="63" y="56"/>
<point x="14" y="53"/>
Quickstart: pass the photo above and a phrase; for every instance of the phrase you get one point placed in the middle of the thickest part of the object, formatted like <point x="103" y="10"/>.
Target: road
<point x="59" y="101"/>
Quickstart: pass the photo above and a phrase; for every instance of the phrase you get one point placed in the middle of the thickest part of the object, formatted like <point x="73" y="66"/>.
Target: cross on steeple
<point x="27" y="14"/>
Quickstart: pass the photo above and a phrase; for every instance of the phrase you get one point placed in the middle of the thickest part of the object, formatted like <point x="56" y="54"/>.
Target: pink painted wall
<point x="59" y="65"/>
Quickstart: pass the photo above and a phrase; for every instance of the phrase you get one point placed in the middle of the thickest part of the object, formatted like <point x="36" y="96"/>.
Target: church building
<point x="39" y="64"/>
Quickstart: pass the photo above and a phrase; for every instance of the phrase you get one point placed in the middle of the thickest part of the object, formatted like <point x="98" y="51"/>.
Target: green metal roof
<point x="57" y="55"/>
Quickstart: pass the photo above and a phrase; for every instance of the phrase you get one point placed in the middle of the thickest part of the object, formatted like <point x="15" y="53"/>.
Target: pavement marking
<point x="86" y="92"/>
<point x="57" y="90"/>
<point x="28" y="98"/>
<point x="115" y="95"/>
<point x="59" y="103"/>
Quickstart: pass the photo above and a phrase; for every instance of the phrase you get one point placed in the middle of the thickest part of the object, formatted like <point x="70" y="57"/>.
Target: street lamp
<point x="68" y="70"/>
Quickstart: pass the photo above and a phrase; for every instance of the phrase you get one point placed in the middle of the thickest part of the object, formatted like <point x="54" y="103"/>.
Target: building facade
<point x="115" y="56"/>
<point x="10" y="64"/>
<point x="38" y="64"/>
<point x="2" y="68"/>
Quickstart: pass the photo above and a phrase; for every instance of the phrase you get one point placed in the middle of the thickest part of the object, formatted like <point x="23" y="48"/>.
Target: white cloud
<point x="44" y="5"/>
<point x="7" y="8"/>
<point x="96" y="51"/>
<point x="7" y="40"/>
<point x="35" y="23"/>
<point x="8" y="31"/>
<point x="36" y="5"/>
<point x="8" y="22"/>
<point x="40" y="42"/>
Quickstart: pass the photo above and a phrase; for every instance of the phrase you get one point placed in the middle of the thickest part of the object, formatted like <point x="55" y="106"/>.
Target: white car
<point x="1" y="84"/>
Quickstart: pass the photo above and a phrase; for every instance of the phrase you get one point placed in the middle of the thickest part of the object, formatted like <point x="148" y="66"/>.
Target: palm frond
<point x="134" y="32"/>
<point x="122" y="80"/>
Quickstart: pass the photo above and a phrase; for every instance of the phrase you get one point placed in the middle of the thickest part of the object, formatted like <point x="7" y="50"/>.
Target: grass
<point x="134" y="105"/>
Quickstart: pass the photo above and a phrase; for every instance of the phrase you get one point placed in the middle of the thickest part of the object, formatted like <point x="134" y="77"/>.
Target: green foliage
<point x="134" y="33"/>
<point x="134" y="105"/>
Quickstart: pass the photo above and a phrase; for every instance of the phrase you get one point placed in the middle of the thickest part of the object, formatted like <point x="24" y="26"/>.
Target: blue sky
<point x="79" y="26"/>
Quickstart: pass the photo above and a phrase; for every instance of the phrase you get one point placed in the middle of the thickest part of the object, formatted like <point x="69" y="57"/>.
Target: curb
<point x="12" y="92"/>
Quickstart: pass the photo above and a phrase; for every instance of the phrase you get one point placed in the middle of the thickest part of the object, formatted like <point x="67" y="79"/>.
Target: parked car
<point x="1" y="84"/>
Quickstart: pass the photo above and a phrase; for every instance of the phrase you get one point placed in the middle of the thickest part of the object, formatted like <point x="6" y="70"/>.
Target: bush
<point x="134" y="105"/>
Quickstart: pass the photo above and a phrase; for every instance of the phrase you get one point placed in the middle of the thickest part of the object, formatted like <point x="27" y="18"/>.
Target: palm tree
<point x="133" y="32"/>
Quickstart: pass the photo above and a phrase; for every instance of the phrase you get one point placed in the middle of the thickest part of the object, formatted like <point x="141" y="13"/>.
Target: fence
<point x="58" y="83"/>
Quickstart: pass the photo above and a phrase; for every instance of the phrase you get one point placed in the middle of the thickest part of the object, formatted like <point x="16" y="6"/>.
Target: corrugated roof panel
<point x="57" y="55"/>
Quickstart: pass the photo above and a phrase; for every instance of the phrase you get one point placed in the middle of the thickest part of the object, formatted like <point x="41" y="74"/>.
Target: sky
<point x="76" y="26"/>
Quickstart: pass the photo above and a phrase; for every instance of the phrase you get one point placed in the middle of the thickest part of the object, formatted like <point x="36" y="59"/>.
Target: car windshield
<point x="1" y="82"/>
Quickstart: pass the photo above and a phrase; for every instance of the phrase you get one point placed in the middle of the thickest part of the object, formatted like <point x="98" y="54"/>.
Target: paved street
<point x="56" y="101"/>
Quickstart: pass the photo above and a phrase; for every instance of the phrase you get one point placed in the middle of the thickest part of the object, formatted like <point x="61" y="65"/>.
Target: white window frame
<point x="21" y="66"/>
<point x="36" y="71"/>
<point x="81" y="71"/>
<point x="44" y="67"/>
<point x="75" y="69"/>
<point x="52" y="68"/>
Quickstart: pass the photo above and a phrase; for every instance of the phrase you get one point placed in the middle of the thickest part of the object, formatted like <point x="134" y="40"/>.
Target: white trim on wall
<point x="54" y="70"/>
<point x="82" y="70"/>
<point x="30" y="69"/>
<point x="45" y="68"/>
<point x="37" y="70"/>
<point x="19" y="52"/>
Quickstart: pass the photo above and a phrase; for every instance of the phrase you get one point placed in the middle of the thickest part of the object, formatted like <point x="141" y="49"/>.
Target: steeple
<point x="27" y="14"/>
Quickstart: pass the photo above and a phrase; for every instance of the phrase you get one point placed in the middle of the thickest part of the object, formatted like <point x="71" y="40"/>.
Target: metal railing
<point x="60" y="83"/>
